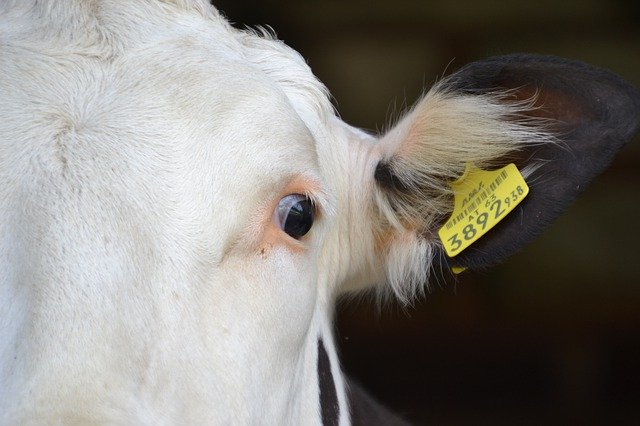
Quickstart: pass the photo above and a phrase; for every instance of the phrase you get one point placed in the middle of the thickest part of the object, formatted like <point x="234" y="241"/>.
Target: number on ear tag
<point x="481" y="200"/>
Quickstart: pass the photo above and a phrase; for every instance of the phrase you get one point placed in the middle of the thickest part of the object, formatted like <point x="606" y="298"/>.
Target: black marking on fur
<point x="387" y="179"/>
<point x="328" y="395"/>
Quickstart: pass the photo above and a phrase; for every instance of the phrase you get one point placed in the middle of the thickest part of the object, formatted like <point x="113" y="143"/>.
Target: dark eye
<point x="294" y="215"/>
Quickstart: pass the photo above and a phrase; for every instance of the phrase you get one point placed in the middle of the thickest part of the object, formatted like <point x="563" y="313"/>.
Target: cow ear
<point x="561" y="122"/>
<point x="591" y="112"/>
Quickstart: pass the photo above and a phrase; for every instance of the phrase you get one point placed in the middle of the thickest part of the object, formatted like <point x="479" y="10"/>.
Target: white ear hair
<point x="432" y="144"/>
<point x="427" y="150"/>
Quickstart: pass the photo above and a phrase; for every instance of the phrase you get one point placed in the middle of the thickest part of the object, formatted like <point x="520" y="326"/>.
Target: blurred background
<point x="553" y="335"/>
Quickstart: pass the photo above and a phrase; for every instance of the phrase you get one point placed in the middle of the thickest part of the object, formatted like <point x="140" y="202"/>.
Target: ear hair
<point x="427" y="150"/>
<point x="431" y="145"/>
<point x="560" y="121"/>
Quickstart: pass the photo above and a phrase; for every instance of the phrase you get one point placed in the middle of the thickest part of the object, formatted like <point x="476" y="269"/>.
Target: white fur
<point x="141" y="145"/>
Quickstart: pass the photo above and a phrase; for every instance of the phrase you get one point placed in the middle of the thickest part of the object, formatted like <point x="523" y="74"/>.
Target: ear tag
<point x="458" y="269"/>
<point x="481" y="200"/>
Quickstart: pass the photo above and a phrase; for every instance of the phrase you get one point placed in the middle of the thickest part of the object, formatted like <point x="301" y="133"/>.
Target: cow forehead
<point x="171" y="34"/>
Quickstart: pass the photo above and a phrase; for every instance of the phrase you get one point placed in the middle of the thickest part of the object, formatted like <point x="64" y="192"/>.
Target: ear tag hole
<point x="481" y="199"/>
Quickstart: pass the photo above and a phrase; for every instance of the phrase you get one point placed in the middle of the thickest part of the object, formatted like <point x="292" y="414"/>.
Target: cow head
<point x="181" y="207"/>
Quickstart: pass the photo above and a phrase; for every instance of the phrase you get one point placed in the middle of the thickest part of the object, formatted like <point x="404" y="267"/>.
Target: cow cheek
<point x="275" y="293"/>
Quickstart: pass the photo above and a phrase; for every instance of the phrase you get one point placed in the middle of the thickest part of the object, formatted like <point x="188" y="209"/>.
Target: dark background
<point x="553" y="335"/>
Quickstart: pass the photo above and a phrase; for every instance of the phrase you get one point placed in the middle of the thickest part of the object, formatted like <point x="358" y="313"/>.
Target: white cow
<point x="180" y="207"/>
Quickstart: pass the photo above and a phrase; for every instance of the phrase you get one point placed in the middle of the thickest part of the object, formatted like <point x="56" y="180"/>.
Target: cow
<point x="181" y="207"/>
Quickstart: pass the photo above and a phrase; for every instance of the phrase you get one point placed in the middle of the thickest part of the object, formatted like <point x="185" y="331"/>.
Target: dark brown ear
<point x="594" y="113"/>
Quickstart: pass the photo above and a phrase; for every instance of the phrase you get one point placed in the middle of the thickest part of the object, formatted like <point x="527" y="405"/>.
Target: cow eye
<point x="294" y="215"/>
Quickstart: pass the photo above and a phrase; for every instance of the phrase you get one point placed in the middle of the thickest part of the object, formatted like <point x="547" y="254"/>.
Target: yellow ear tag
<point x="481" y="200"/>
<point x="458" y="269"/>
